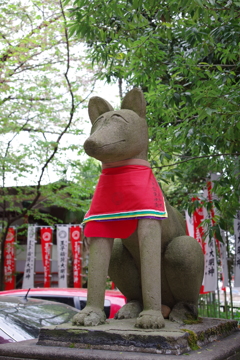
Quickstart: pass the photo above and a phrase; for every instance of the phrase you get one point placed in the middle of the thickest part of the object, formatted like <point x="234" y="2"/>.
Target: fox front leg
<point x="99" y="258"/>
<point x="149" y="234"/>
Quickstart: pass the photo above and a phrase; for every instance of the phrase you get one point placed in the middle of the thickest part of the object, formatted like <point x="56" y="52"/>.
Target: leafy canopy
<point x="185" y="56"/>
<point x="45" y="79"/>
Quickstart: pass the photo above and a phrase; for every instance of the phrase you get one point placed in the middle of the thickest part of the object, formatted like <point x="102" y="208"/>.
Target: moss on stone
<point x="201" y="336"/>
<point x="77" y="331"/>
<point x="190" y="320"/>
<point x="221" y="329"/>
<point x="192" y="339"/>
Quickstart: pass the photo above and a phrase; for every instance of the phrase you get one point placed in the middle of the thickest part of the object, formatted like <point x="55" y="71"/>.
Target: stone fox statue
<point x="135" y="235"/>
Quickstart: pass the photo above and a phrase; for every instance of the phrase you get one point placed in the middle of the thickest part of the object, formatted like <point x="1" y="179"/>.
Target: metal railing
<point x="219" y="305"/>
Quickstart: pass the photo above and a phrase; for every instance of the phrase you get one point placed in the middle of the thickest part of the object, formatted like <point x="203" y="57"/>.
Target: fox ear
<point x="134" y="100"/>
<point x="97" y="106"/>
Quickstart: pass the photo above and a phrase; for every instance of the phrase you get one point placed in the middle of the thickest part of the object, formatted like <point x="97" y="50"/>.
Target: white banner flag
<point x="221" y="246"/>
<point x="210" y="268"/>
<point x="237" y="250"/>
<point x="62" y="247"/>
<point x="190" y="225"/>
<point x="28" y="277"/>
<point x="223" y="255"/>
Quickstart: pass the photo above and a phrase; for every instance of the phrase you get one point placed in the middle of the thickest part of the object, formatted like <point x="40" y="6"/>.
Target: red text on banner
<point x="75" y="235"/>
<point x="9" y="260"/>
<point x="46" y="242"/>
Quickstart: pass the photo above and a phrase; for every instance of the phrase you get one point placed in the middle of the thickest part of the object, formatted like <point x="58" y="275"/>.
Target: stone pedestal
<point x="121" y="335"/>
<point x="212" y="339"/>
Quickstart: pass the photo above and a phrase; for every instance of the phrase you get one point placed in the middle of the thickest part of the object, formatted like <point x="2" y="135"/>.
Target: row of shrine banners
<point x="64" y="232"/>
<point x="64" y="235"/>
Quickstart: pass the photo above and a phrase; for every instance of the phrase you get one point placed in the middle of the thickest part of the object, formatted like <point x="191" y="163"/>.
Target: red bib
<point x="123" y="195"/>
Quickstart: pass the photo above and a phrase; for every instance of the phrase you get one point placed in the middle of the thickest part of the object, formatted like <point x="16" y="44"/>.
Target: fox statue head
<point x="121" y="134"/>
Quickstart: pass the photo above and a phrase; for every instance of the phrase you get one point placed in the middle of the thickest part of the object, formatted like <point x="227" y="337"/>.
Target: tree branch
<point x="194" y="158"/>
<point x="71" y="114"/>
<point x="28" y="45"/>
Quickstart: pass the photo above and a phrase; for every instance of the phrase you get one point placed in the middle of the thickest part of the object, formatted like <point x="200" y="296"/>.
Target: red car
<point x="76" y="297"/>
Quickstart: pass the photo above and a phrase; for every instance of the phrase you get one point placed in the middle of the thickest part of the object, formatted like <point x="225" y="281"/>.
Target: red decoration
<point x="75" y="236"/>
<point x="46" y="242"/>
<point x="198" y="217"/>
<point x="9" y="260"/>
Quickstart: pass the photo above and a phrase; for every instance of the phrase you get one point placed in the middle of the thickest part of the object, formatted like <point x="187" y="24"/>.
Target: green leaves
<point x="43" y="83"/>
<point x="185" y="56"/>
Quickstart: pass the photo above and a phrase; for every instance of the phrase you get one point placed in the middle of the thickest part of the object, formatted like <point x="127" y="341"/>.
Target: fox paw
<point x="129" y="311"/>
<point x="89" y="316"/>
<point x="183" y="311"/>
<point x="150" y="319"/>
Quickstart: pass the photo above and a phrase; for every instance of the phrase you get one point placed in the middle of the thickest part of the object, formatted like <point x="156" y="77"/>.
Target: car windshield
<point x="15" y="330"/>
<point x="21" y="320"/>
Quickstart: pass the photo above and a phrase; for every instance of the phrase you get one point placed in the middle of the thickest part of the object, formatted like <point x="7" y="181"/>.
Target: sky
<point x="28" y="79"/>
<point x="110" y="92"/>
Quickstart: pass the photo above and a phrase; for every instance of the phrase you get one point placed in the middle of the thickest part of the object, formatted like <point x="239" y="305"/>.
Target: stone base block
<point x="121" y="335"/>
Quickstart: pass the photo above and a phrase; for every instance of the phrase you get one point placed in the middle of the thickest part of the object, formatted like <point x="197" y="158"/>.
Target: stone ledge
<point x="227" y="348"/>
<point x="121" y="335"/>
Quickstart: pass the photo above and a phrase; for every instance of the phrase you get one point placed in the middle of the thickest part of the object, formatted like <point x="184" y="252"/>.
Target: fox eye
<point x="95" y="123"/>
<point x="99" y="118"/>
<point x="119" y="116"/>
